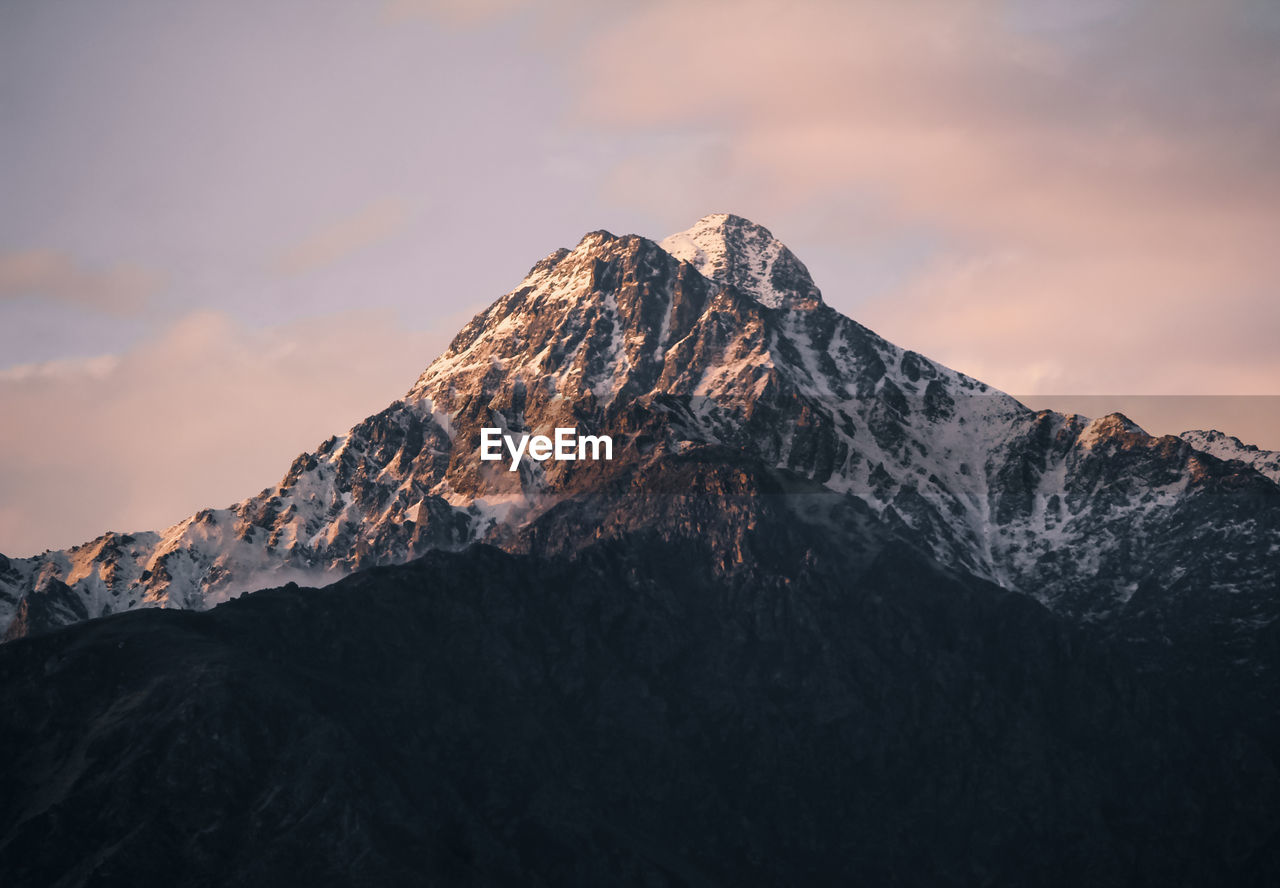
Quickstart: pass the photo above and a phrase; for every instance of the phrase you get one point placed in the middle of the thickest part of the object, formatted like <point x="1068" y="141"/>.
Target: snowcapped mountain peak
<point x="731" y="250"/>
<point x="712" y="348"/>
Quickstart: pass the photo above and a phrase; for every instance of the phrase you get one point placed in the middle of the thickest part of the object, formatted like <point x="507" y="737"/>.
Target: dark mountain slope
<point x="640" y="712"/>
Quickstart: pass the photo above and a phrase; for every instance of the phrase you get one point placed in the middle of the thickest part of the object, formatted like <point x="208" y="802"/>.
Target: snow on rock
<point x="1228" y="447"/>
<point x="742" y="254"/>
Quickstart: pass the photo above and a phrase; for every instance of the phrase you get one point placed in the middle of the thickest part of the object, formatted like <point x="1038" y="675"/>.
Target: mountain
<point x="831" y="708"/>
<point x="831" y="612"/>
<point x="718" y="338"/>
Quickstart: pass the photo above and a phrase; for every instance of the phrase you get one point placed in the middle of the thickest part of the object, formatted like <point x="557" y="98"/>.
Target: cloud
<point x="206" y="412"/>
<point x="95" y="367"/>
<point x="1092" y="324"/>
<point x="1099" y="189"/>
<point x="48" y="274"/>
<point x="334" y="242"/>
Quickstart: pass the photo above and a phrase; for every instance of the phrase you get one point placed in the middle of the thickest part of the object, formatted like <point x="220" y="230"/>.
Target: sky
<point x="228" y="231"/>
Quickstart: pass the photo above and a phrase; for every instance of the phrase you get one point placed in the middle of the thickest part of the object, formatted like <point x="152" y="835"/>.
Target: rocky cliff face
<point x="717" y="341"/>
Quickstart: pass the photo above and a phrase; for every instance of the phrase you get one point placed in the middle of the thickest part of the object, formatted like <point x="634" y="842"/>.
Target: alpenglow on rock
<point x="714" y="344"/>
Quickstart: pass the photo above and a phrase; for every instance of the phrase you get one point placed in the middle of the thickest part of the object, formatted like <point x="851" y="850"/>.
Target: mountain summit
<point x="742" y="254"/>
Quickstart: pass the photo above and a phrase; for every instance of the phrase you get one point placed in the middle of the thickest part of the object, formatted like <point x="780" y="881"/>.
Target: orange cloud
<point x="1101" y="190"/>
<point x="335" y="242"/>
<point x="206" y="412"/>
<point x="48" y="274"/>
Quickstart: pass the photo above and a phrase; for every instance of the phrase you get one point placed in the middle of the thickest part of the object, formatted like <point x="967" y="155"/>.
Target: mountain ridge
<point x="626" y="335"/>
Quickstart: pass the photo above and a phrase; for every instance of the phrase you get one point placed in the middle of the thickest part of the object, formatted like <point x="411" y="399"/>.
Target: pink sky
<point x="227" y="236"/>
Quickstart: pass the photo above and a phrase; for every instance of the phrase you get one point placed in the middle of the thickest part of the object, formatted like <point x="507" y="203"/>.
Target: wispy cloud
<point x="203" y="413"/>
<point x="96" y="367"/>
<point x="336" y="241"/>
<point x="49" y="274"/>
<point x="1100" y="189"/>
